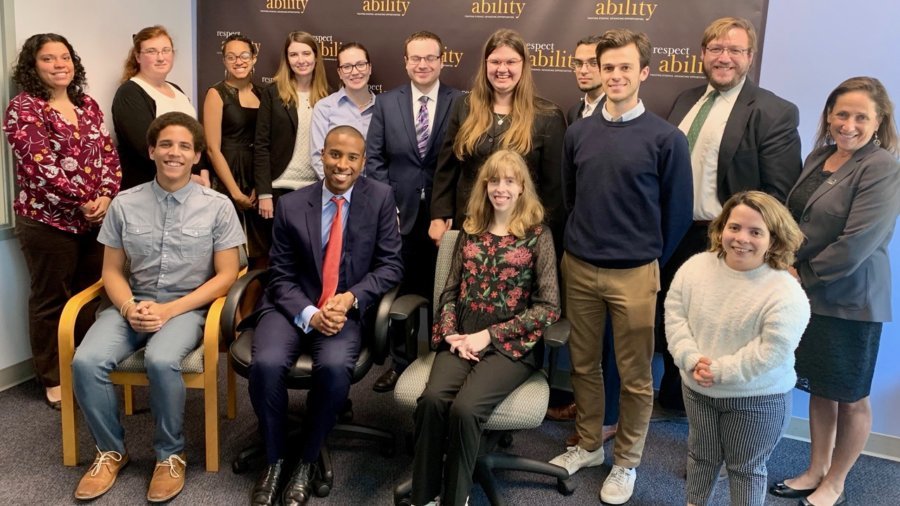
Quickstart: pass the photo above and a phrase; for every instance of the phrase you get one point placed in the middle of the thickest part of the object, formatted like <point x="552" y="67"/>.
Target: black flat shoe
<point x="386" y="382"/>
<point x="57" y="405"/>
<point x="780" y="489"/>
<point x="299" y="488"/>
<point x="841" y="500"/>
<point x="265" y="490"/>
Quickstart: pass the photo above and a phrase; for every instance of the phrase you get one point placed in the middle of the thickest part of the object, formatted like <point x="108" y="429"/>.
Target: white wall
<point x="810" y="47"/>
<point x="100" y="31"/>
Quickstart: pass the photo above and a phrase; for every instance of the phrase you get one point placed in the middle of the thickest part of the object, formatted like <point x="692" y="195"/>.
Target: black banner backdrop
<point x="550" y="28"/>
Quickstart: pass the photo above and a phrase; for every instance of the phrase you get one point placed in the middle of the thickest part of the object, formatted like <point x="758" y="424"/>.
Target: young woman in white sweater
<point x="734" y="316"/>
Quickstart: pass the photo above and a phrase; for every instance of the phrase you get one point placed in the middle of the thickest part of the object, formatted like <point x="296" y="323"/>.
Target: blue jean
<point x="111" y="340"/>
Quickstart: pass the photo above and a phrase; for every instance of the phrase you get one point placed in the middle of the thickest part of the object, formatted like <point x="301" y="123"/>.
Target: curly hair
<point x="786" y="237"/>
<point x="26" y="77"/>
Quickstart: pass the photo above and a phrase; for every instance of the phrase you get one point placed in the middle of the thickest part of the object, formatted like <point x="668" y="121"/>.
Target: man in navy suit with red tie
<point x="335" y="251"/>
<point x="402" y="146"/>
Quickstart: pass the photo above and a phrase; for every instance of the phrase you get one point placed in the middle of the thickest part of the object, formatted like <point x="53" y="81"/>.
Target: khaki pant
<point x="629" y="295"/>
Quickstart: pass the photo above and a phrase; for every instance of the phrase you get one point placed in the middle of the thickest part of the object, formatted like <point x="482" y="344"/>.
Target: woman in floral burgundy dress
<point x="501" y="293"/>
<point x="67" y="172"/>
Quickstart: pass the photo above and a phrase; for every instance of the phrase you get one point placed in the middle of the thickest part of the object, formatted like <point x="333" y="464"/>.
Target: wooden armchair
<point x="199" y="370"/>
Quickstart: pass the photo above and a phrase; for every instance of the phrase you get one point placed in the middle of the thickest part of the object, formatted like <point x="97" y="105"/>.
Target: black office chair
<point x="240" y="302"/>
<point x="523" y="409"/>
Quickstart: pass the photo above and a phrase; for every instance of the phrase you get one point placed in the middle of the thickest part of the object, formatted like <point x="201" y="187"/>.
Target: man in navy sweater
<point x="627" y="187"/>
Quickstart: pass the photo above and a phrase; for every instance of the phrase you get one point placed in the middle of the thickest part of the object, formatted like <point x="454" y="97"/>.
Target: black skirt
<point x="836" y="358"/>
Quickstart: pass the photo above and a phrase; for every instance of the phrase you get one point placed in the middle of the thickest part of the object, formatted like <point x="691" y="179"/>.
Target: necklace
<point x="501" y="117"/>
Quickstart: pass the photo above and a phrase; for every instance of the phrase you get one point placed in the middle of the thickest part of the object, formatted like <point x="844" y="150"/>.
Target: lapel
<point x="735" y="127"/>
<point x="407" y="115"/>
<point x="850" y="166"/>
<point x="360" y="216"/>
<point x="441" y="112"/>
<point x="681" y="108"/>
<point x="292" y="114"/>
<point x="313" y="213"/>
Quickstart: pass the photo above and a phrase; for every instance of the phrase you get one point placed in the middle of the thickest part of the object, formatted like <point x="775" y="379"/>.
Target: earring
<point x="828" y="138"/>
<point x="877" y="141"/>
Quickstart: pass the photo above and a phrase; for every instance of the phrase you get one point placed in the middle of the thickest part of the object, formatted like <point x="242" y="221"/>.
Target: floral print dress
<point x="504" y="284"/>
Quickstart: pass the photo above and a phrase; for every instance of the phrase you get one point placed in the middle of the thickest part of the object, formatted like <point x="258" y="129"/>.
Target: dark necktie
<point x="694" y="132"/>
<point x="331" y="265"/>
<point x="422" y="126"/>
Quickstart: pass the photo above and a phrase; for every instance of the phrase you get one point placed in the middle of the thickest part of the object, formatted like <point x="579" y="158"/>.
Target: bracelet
<point x="123" y="310"/>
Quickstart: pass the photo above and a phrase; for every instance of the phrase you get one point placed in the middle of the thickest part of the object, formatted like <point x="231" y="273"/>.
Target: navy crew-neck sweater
<point x="628" y="190"/>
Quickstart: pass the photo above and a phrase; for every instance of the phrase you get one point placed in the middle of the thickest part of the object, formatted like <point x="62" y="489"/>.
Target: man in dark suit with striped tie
<point x="402" y="146"/>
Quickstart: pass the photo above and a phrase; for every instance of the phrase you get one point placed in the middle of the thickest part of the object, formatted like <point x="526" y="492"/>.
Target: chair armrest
<point x="407" y="306"/>
<point x="382" y="324"/>
<point x="234" y="301"/>
<point x="557" y="335"/>
<point x="406" y="315"/>
<point x="66" y="333"/>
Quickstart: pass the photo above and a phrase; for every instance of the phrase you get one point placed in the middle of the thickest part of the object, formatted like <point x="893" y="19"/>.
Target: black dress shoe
<point x="265" y="490"/>
<point x="299" y="488"/>
<point x="386" y="382"/>
<point x="841" y="500"/>
<point x="780" y="489"/>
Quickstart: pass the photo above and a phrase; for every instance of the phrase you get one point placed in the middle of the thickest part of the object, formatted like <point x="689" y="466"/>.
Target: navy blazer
<point x="392" y="153"/>
<point x="370" y="262"/>
<point x="760" y="147"/>
<point x="574" y="112"/>
<point x="848" y="223"/>
<point x="273" y="146"/>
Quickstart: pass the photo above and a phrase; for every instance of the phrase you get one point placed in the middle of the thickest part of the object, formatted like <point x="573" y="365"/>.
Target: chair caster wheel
<point x="565" y="487"/>
<point x="321" y="488"/>
<point x="402" y="502"/>
<point x="506" y="440"/>
<point x="240" y="466"/>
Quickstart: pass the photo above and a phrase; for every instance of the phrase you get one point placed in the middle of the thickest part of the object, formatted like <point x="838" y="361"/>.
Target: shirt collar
<point x="179" y="195"/>
<point x="629" y="115"/>
<point x="431" y="94"/>
<point x="729" y="95"/>
<point x="342" y="97"/>
<point x="326" y="195"/>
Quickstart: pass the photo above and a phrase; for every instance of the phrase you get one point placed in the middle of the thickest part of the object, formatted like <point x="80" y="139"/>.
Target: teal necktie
<point x="694" y="132"/>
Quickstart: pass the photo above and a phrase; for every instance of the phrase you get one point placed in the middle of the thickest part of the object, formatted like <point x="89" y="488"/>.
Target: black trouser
<point x="696" y="240"/>
<point x="458" y="399"/>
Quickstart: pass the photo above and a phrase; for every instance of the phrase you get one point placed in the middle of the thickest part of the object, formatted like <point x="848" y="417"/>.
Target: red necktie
<point x="331" y="265"/>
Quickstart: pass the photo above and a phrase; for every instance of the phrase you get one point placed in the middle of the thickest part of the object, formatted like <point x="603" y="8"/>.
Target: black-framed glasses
<point x="244" y="57"/>
<point x="578" y="64"/>
<point x="359" y="66"/>
<point x="415" y="60"/>
<point x="732" y="51"/>
<point x="166" y="51"/>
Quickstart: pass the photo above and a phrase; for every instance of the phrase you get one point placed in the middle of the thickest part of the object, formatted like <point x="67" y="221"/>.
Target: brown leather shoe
<point x="168" y="479"/>
<point x="573" y="439"/>
<point x="101" y="476"/>
<point x="562" y="413"/>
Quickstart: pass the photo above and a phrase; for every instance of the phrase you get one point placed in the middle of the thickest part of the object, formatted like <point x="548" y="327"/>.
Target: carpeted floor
<point x="33" y="473"/>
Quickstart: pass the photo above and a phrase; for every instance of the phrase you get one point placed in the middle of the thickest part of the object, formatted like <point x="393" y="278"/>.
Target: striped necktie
<point x="422" y="126"/>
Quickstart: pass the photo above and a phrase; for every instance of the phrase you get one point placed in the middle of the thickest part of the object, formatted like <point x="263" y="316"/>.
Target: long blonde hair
<point x="480" y="102"/>
<point x="284" y="76"/>
<point x="528" y="211"/>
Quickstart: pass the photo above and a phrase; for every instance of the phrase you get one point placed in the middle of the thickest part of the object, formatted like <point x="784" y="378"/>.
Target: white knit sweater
<point x="748" y="323"/>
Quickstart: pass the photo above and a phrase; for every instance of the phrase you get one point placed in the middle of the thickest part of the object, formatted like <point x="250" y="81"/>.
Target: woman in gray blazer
<point x="846" y="202"/>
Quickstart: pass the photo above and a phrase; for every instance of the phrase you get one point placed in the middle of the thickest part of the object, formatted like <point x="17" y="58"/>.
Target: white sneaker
<point x="577" y="457"/>
<point x="618" y="486"/>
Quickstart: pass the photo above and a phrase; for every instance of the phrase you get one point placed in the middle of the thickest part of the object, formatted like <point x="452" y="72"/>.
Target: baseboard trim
<point x="879" y="445"/>
<point x="16" y="374"/>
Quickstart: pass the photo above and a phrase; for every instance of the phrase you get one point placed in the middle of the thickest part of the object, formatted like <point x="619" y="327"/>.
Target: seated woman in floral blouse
<point x="501" y="293"/>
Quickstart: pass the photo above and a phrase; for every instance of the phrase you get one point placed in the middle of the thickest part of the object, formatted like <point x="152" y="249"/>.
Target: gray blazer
<point x="848" y="223"/>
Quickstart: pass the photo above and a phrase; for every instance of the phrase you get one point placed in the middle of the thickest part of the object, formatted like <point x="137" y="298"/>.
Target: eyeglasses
<point x="415" y="60"/>
<point x="166" y="51"/>
<point x="359" y="66"/>
<point x="578" y="64"/>
<point x="732" y="51"/>
<point x="509" y="63"/>
<point x="245" y="57"/>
